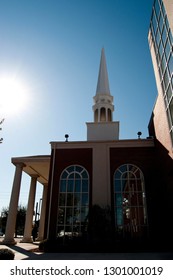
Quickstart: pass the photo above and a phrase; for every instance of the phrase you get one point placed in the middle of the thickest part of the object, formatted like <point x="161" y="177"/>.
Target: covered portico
<point x="37" y="167"/>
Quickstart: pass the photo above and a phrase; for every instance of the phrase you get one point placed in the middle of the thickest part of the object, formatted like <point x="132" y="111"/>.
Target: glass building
<point x="160" y="36"/>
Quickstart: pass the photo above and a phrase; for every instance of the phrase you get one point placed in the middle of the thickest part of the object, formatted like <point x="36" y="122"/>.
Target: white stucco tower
<point x="103" y="127"/>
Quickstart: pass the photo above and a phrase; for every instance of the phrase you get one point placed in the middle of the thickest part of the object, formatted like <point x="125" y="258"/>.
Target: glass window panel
<point x="132" y="185"/>
<point x="77" y="199"/>
<point x="77" y="185"/>
<point x="171" y="110"/>
<point x="61" y="215"/>
<point x="77" y="213"/>
<point x="64" y="175"/>
<point x="162" y="9"/>
<point x="77" y="176"/>
<point x="154" y="23"/>
<point x="124" y="176"/>
<point x="117" y="174"/>
<point x="166" y="78"/>
<point x="167" y="23"/>
<point x="161" y="22"/>
<point x="164" y="35"/>
<point x="118" y="200"/>
<point x="79" y="169"/>
<point x="84" y="214"/>
<point x="163" y="63"/>
<point x="70" y="185"/>
<point x="170" y="37"/>
<point x="119" y="216"/>
<point x="169" y="93"/>
<point x="117" y="185"/>
<point x="123" y="168"/>
<point x="69" y="199"/>
<point x="124" y="184"/>
<point x="70" y="169"/>
<point x="157" y="8"/>
<point x="158" y="37"/>
<point x="84" y="199"/>
<point x="73" y="200"/>
<point x="63" y="186"/>
<point x="84" y="185"/>
<point x="167" y="49"/>
<point x="84" y="175"/>
<point x="69" y="216"/>
<point x="170" y="64"/>
<point x="68" y="230"/>
<point x="172" y="135"/>
<point x="160" y="49"/>
<point x="71" y="176"/>
<point x="62" y="197"/>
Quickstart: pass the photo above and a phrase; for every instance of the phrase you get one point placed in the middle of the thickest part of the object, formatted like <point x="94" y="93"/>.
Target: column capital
<point x="34" y="176"/>
<point x="19" y="164"/>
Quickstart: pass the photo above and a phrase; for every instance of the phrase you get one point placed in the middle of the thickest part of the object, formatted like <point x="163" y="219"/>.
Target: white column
<point x="12" y="215"/>
<point x="43" y="213"/>
<point x="30" y="210"/>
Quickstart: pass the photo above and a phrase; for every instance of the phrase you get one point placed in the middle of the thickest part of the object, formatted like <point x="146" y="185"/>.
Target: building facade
<point x="161" y="48"/>
<point x="129" y="181"/>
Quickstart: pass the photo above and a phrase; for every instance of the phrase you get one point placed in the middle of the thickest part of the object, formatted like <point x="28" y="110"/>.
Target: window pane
<point x="166" y="78"/>
<point x="84" y="199"/>
<point x="77" y="199"/>
<point x="154" y="23"/>
<point x="169" y="93"/>
<point x="118" y="200"/>
<point x="69" y="199"/>
<point x="62" y="199"/>
<point x="119" y="216"/>
<point x="84" y="214"/>
<point x="167" y="49"/>
<point x="171" y="110"/>
<point x="164" y="35"/>
<point x="84" y="185"/>
<point x="69" y="216"/>
<point x="64" y="175"/>
<point x="78" y="186"/>
<point x="63" y="186"/>
<point x="70" y="169"/>
<point x="77" y="176"/>
<point x="84" y="175"/>
<point x="170" y="64"/>
<point x="78" y="169"/>
<point x="117" y="185"/>
<point x="70" y="185"/>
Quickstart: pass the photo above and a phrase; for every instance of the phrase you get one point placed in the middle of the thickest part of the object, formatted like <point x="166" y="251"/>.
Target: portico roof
<point x="35" y="165"/>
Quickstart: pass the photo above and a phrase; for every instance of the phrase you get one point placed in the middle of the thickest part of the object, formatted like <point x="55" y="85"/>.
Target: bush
<point x="6" y="254"/>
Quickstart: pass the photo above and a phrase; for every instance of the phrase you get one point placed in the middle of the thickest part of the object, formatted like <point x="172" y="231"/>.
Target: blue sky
<point x="54" y="47"/>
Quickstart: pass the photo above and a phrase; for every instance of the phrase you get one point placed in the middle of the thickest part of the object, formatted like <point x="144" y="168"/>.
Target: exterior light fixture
<point x="66" y="137"/>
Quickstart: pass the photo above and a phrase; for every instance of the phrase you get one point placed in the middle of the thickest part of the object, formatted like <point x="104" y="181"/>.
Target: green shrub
<point x="6" y="254"/>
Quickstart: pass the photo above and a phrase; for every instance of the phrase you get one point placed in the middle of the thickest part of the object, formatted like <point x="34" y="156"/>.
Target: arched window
<point x="129" y="201"/>
<point x="73" y="203"/>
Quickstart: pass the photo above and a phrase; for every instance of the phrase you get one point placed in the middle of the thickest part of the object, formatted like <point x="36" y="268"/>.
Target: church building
<point x="129" y="179"/>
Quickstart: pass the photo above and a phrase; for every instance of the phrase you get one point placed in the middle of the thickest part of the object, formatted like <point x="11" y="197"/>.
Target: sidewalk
<point x="27" y="251"/>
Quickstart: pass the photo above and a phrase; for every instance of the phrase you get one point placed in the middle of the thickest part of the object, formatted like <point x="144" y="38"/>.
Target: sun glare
<point x="13" y="96"/>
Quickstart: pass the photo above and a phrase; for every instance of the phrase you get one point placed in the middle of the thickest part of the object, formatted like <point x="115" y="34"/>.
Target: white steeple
<point x="103" y="107"/>
<point x="103" y="128"/>
<point x="103" y="82"/>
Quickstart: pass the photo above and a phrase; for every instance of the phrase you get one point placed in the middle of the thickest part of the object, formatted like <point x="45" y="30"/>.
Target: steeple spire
<point x="103" y="100"/>
<point x="103" y="82"/>
<point x="103" y="127"/>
